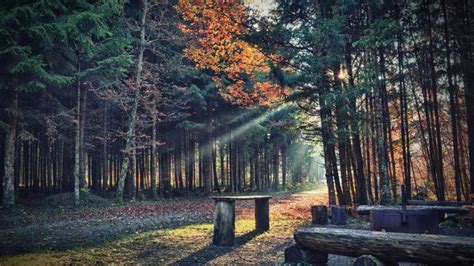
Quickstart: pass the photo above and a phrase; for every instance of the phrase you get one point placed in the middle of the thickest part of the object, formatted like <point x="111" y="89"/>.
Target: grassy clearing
<point x="188" y="243"/>
<point x="192" y="243"/>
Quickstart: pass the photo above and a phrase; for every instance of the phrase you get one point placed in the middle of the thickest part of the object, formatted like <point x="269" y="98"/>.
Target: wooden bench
<point x="224" y="217"/>
<point x="386" y="246"/>
<point x="365" y="209"/>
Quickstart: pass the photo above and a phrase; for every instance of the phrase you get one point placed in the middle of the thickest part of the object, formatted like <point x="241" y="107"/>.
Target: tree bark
<point x="276" y="165"/>
<point x="77" y="144"/>
<point x="8" y="198"/>
<point x="386" y="192"/>
<point x="153" y="158"/>
<point x="453" y="106"/>
<point x="133" y="116"/>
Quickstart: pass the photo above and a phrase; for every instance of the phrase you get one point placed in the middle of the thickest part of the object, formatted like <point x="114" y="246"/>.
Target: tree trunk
<point x="153" y="159"/>
<point x="404" y="129"/>
<point x="8" y="198"/>
<point x="283" y="166"/>
<point x="386" y="192"/>
<point x="276" y="165"/>
<point x="465" y="39"/>
<point x="436" y="123"/>
<point x="105" y="167"/>
<point x="453" y="107"/>
<point x="133" y="116"/>
<point x="83" y="153"/>
<point x="77" y="144"/>
<point x="206" y="162"/>
<point x="326" y="138"/>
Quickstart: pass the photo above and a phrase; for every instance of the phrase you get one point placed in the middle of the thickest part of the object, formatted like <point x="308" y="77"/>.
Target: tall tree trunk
<point x="283" y="166"/>
<point x="77" y="143"/>
<point x="153" y="158"/>
<point x="133" y="116"/>
<point x="214" y="166"/>
<point x="436" y="123"/>
<point x="462" y="26"/>
<point x="105" y="167"/>
<point x="326" y="138"/>
<point x="341" y="142"/>
<point x="83" y="152"/>
<point x="8" y="198"/>
<point x="453" y="106"/>
<point x="190" y="161"/>
<point x="386" y="191"/>
<point x="222" y="164"/>
<point x="368" y="157"/>
<point x="206" y="162"/>
<point x="404" y="129"/>
<point x="356" y="143"/>
<point x="276" y="164"/>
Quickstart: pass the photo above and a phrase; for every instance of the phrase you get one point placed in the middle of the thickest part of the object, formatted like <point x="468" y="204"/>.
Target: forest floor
<point x="165" y="231"/>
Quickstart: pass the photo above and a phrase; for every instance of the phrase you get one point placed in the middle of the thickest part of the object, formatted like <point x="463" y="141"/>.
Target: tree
<point x="24" y="69"/>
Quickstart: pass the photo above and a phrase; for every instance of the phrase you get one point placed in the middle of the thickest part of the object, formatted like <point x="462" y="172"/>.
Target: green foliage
<point x="382" y="33"/>
<point x="46" y="41"/>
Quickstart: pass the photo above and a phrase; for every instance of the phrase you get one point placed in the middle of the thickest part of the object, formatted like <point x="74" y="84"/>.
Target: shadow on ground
<point x="212" y="252"/>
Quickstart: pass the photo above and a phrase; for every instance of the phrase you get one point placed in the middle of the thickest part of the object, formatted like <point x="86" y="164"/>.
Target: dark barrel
<point x="416" y="221"/>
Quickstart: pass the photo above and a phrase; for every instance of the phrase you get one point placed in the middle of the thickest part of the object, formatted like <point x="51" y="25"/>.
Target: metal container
<point x="406" y="221"/>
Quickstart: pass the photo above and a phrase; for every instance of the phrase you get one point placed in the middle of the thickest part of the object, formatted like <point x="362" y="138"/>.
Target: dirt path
<point x="164" y="232"/>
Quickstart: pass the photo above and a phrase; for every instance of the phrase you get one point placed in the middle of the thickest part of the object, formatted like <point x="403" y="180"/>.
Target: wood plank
<point x="438" y="203"/>
<point x="245" y="197"/>
<point x="365" y="209"/>
<point x="388" y="246"/>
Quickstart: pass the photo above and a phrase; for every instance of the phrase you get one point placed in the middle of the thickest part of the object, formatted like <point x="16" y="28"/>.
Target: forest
<point x="154" y="104"/>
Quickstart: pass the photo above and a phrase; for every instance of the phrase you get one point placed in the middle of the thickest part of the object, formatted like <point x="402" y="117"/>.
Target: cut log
<point x="298" y="254"/>
<point x="224" y="223"/>
<point x="388" y="246"/>
<point x="438" y="203"/>
<point x="319" y="214"/>
<point x="365" y="209"/>
<point x="367" y="260"/>
<point x="338" y="215"/>
<point x="262" y="214"/>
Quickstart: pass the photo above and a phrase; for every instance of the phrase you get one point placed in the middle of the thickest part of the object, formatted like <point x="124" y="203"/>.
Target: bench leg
<point x="262" y="215"/>
<point x="224" y="223"/>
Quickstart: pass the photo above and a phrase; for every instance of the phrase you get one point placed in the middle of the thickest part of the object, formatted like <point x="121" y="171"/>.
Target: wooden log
<point x="224" y="223"/>
<point x="262" y="214"/>
<point x="298" y="254"/>
<point x="438" y="203"/>
<point x="365" y="209"/>
<point x="367" y="260"/>
<point x="388" y="246"/>
<point x="338" y="215"/>
<point x="319" y="214"/>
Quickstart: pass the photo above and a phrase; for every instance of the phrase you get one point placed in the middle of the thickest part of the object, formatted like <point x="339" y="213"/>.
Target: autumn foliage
<point x="239" y="68"/>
